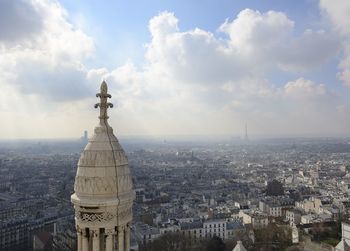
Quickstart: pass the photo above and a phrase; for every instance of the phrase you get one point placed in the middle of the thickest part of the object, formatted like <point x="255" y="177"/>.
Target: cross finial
<point x="104" y="105"/>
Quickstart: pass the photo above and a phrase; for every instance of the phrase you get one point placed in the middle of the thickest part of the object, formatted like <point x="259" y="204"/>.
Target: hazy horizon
<point x="194" y="137"/>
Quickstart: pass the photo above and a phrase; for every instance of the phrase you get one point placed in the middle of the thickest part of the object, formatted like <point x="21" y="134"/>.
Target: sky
<point x="175" y="67"/>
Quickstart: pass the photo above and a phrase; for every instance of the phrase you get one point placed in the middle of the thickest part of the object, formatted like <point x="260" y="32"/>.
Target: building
<point x="14" y="234"/>
<point x="344" y="244"/>
<point x="239" y="247"/>
<point x="272" y="209"/>
<point x="275" y="206"/>
<point x="18" y="233"/>
<point x="195" y="229"/>
<point x="311" y="205"/>
<point x="256" y="219"/>
<point x="315" y="218"/>
<point x="215" y="227"/>
<point x="293" y="216"/>
<point x="42" y="241"/>
<point x="103" y="189"/>
<point x="146" y="233"/>
<point x="85" y="138"/>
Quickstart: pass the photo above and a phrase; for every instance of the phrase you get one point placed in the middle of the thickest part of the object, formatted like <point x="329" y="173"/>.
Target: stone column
<point x="79" y="240"/>
<point x="127" y="237"/>
<point x="120" y="238"/>
<point x="96" y="240"/>
<point x="85" y="241"/>
<point x="109" y="240"/>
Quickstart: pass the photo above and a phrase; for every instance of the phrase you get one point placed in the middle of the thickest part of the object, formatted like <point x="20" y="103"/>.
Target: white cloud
<point x="257" y="43"/>
<point x="338" y="13"/>
<point x="252" y="31"/>
<point x="192" y="82"/>
<point x="309" y="51"/>
<point x="305" y="89"/>
<point x="48" y="61"/>
<point x="19" y="20"/>
<point x="265" y="40"/>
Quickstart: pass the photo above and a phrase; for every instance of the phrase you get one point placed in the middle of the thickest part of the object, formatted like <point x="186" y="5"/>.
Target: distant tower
<point x="84" y="138"/>
<point x="246" y="133"/>
<point x="103" y="189"/>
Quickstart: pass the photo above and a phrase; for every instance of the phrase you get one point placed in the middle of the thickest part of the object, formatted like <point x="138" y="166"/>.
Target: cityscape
<point x="230" y="189"/>
<point x="174" y="125"/>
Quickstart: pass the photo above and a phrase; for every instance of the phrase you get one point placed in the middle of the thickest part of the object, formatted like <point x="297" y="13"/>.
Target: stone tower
<point x="246" y="133"/>
<point x="103" y="189"/>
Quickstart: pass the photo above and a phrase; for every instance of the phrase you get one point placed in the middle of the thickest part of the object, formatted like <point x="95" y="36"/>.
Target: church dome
<point x="103" y="171"/>
<point x="103" y="176"/>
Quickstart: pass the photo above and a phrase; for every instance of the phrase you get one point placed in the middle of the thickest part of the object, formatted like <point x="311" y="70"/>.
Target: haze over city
<point x="175" y="67"/>
<point x="174" y="125"/>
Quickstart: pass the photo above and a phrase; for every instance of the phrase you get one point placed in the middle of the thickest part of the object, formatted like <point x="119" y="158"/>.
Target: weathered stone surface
<point x="103" y="186"/>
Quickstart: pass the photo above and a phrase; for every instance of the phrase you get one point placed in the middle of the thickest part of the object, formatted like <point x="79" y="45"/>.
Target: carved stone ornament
<point x="94" y="217"/>
<point x="110" y="232"/>
<point x="104" y="185"/>
<point x="95" y="184"/>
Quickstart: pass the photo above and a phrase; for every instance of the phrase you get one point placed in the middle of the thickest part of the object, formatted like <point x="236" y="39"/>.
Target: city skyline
<point x="175" y="68"/>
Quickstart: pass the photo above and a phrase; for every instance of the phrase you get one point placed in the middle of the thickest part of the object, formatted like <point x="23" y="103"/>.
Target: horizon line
<point x="252" y="137"/>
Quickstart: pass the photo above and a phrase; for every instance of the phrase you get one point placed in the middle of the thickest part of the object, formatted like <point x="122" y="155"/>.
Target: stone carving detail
<point x="109" y="232"/>
<point x="79" y="230"/>
<point x="95" y="184"/>
<point x="95" y="233"/>
<point x="103" y="158"/>
<point x="102" y="217"/>
<point x="94" y="217"/>
<point x="121" y="229"/>
<point x="101" y="184"/>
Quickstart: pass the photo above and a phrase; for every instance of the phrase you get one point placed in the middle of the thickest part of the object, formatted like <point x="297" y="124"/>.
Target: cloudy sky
<point x="175" y="67"/>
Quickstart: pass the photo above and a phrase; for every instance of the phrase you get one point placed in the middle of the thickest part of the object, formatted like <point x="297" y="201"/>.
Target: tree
<point x="174" y="242"/>
<point x="215" y="244"/>
<point x="180" y="242"/>
<point x="273" y="237"/>
<point x="274" y="188"/>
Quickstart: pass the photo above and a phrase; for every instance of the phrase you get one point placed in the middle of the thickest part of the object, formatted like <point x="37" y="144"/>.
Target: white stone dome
<point x="103" y="185"/>
<point x="103" y="171"/>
